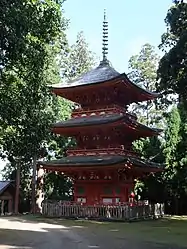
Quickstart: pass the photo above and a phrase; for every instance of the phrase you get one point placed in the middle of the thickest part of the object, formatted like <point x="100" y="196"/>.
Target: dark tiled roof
<point x="107" y="160"/>
<point x="103" y="119"/>
<point x="104" y="72"/>
<point x="4" y="185"/>
<point x="89" y="120"/>
<point x="101" y="73"/>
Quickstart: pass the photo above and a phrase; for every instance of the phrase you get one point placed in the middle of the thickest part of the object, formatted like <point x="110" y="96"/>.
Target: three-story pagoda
<point x="103" y="166"/>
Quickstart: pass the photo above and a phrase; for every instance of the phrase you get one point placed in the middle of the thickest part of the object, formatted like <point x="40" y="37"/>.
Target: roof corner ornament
<point x="105" y="40"/>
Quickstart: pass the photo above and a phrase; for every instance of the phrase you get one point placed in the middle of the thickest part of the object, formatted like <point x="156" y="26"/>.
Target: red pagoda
<point x="103" y="166"/>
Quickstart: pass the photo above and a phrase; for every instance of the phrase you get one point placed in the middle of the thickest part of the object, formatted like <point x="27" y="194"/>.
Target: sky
<point x="131" y="25"/>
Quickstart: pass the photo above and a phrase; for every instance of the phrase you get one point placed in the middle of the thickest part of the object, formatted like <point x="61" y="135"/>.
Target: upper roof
<point x="4" y="185"/>
<point x="104" y="72"/>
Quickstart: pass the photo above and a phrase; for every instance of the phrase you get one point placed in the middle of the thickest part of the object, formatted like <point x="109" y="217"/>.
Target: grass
<point x="169" y="230"/>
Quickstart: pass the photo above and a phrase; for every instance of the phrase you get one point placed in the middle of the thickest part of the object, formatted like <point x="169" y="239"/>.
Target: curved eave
<point x="146" y="166"/>
<point x="121" y="78"/>
<point x="79" y="162"/>
<point x="72" y="125"/>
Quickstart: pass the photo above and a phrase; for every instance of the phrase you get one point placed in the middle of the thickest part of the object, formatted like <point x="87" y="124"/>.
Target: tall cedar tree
<point x="172" y="72"/>
<point x="31" y="34"/>
<point x="143" y="71"/>
<point x="172" y="78"/>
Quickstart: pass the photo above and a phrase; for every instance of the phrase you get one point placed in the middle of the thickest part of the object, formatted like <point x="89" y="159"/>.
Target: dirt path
<point x="20" y="233"/>
<point x="25" y="234"/>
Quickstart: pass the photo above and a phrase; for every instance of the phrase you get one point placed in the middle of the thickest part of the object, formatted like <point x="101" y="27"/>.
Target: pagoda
<point x="103" y="166"/>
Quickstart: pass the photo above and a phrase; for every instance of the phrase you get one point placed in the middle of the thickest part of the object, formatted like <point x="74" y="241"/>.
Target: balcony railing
<point x="97" y="152"/>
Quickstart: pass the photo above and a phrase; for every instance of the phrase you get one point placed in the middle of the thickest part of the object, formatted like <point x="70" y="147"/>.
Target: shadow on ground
<point x="39" y="239"/>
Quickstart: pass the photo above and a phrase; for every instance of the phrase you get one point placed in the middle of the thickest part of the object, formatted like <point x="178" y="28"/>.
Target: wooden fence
<point x="126" y="212"/>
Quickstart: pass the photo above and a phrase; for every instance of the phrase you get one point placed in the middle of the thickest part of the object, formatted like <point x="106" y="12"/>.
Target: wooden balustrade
<point x="107" y="110"/>
<point x="107" y="151"/>
<point x="110" y="212"/>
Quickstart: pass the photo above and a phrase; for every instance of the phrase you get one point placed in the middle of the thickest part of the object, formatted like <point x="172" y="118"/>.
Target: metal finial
<point x="105" y="37"/>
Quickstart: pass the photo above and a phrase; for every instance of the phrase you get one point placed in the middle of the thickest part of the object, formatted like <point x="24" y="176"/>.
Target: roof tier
<point x="72" y="163"/>
<point x="126" y="92"/>
<point x="117" y="120"/>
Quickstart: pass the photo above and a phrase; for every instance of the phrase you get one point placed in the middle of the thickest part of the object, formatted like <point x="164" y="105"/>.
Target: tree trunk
<point x="17" y="193"/>
<point x="40" y="189"/>
<point x="33" y="195"/>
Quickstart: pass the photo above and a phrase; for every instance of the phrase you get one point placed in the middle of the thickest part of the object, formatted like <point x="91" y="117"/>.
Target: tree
<point x="27" y="24"/>
<point x="78" y="59"/>
<point x="172" y="137"/>
<point x="27" y="108"/>
<point x="172" y="72"/>
<point x="172" y="76"/>
<point x="170" y="151"/>
<point x="175" y="175"/>
<point x="143" y="72"/>
<point x="143" y="68"/>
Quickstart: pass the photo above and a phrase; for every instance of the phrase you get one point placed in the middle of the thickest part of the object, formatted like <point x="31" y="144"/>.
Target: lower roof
<point x="104" y="119"/>
<point x="96" y="161"/>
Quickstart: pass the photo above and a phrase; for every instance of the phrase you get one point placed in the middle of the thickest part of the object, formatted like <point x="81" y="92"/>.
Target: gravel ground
<point x="20" y="233"/>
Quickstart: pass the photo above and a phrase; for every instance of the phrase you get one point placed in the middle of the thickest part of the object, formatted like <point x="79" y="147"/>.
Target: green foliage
<point x="27" y="25"/>
<point x="172" y="72"/>
<point x="58" y="187"/>
<point x="150" y="148"/>
<point x="172" y="76"/>
<point x="175" y="151"/>
<point x="172" y="136"/>
<point x="78" y="59"/>
<point x="150" y="187"/>
<point x="32" y="37"/>
<point x="26" y="105"/>
<point x="143" y="68"/>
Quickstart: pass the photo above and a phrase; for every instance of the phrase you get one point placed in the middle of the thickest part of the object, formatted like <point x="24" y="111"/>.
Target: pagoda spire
<point x="105" y="40"/>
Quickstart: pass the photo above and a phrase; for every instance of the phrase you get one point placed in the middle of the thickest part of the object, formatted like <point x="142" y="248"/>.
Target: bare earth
<point x="23" y="233"/>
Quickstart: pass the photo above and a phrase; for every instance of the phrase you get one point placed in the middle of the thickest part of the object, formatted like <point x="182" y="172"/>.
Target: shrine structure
<point x="103" y="166"/>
